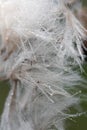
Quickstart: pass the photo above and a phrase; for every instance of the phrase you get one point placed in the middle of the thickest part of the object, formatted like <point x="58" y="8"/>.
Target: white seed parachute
<point x="40" y="43"/>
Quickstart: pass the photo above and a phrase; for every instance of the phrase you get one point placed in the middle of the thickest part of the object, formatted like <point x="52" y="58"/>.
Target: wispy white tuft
<point x="41" y="41"/>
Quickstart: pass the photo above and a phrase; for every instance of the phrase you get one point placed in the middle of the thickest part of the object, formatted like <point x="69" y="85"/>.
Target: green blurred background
<point x="75" y="123"/>
<point x="84" y="2"/>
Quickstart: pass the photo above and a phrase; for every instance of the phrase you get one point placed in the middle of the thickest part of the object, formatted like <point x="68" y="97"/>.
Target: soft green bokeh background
<point x="4" y="89"/>
<point x="84" y="2"/>
<point x="76" y="123"/>
<point x="79" y="122"/>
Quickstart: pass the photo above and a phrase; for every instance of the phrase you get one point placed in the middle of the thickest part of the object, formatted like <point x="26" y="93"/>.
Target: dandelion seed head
<point x="41" y="42"/>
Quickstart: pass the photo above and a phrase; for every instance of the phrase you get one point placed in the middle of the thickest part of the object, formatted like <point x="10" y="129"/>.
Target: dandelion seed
<point x="41" y="41"/>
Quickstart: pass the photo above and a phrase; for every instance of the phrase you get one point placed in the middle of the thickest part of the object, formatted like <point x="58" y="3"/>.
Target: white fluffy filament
<point x="40" y="43"/>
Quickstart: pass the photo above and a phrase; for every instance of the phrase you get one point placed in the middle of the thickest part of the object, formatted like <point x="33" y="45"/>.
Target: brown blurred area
<point x="82" y="15"/>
